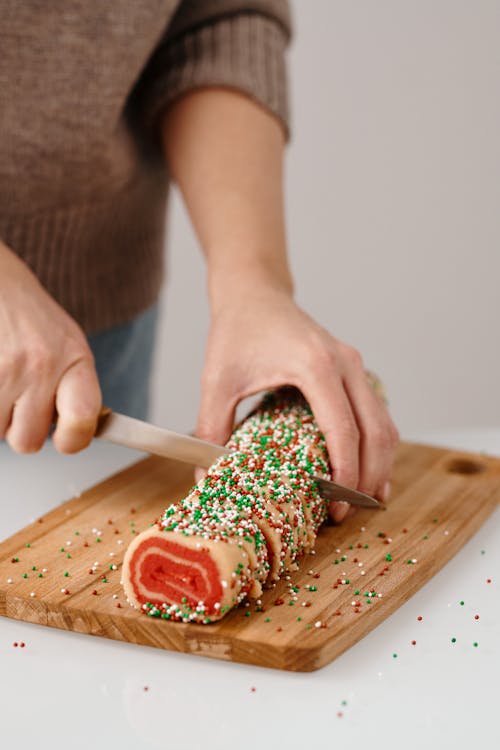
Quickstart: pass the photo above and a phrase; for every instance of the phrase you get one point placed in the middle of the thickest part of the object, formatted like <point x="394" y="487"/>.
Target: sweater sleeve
<point x="234" y="43"/>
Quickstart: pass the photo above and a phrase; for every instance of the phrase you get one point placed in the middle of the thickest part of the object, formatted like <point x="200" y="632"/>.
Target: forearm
<point x="226" y="154"/>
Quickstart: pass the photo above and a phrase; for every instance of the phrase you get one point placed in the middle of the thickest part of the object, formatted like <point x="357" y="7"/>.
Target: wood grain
<point x="440" y="498"/>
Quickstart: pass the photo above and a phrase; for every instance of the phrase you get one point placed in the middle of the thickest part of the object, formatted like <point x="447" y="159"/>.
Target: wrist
<point x="235" y="282"/>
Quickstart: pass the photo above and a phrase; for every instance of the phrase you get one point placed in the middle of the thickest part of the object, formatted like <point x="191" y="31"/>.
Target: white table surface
<point x="66" y="690"/>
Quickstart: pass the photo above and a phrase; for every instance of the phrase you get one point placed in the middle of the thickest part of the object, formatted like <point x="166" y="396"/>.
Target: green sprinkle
<point x="77" y="533"/>
<point x="344" y="703"/>
<point x="453" y="640"/>
<point x="40" y="575"/>
<point x="33" y="567"/>
<point x="388" y="557"/>
<point x="28" y="545"/>
<point x="62" y="549"/>
<point x="356" y="592"/>
<point x="68" y="556"/>
<point x="475" y="644"/>
<point x="267" y="619"/>
<point x="462" y="604"/>
<point x="291" y="603"/>
<point x="426" y="536"/>
<point x="299" y="619"/>
<point x="434" y="520"/>
<point x="66" y="574"/>
<point x="104" y="580"/>
<point x="308" y="626"/>
<point x="247" y="614"/>
<point x="394" y="656"/>
<point x="25" y="575"/>
<point x="98" y="539"/>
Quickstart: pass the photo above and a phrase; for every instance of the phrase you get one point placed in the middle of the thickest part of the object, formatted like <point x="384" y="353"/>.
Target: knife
<point x="133" y="433"/>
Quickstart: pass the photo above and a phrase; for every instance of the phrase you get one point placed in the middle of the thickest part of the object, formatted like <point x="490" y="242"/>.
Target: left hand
<point x="260" y="339"/>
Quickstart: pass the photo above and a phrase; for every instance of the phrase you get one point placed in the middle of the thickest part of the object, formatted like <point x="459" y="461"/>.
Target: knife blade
<point x="133" y="433"/>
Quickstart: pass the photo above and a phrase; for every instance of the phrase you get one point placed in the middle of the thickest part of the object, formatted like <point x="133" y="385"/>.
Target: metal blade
<point x="133" y="433"/>
<point x="123" y="430"/>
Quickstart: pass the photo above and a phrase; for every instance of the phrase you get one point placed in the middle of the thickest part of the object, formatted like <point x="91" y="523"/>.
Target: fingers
<point x="31" y="420"/>
<point x="78" y="402"/>
<point x="379" y="436"/>
<point x="215" y="416"/>
<point x="335" y="418"/>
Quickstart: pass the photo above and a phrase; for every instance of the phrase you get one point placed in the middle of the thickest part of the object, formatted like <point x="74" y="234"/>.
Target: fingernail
<point x="386" y="491"/>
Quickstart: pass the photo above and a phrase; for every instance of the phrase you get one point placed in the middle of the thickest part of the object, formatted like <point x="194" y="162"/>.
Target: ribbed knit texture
<point x="83" y="84"/>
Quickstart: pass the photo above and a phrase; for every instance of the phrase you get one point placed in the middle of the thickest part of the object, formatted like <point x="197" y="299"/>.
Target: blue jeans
<point x="123" y="356"/>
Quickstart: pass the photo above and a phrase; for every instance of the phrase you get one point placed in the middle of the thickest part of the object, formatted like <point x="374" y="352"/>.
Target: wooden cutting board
<point x="64" y="569"/>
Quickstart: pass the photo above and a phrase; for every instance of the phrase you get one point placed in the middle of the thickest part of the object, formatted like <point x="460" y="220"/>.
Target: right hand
<point x="45" y="364"/>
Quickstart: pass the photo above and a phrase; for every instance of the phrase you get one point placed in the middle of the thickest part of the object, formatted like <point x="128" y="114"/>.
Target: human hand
<point x="260" y="339"/>
<point x="45" y="363"/>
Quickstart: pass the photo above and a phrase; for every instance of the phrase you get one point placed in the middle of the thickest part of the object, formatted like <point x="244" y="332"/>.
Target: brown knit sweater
<point x="83" y="83"/>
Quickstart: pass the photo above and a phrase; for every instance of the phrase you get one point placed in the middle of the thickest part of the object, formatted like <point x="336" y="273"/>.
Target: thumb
<point x="215" y="417"/>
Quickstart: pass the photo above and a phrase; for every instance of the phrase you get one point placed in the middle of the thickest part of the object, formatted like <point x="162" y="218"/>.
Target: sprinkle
<point x="394" y="656"/>
<point x="475" y="644"/>
<point x="413" y="643"/>
<point x="420" y="618"/>
<point x="453" y="640"/>
<point x="476" y="617"/>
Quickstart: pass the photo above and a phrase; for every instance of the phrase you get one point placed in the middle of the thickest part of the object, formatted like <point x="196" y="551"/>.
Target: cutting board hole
<point x="464" y="466"/>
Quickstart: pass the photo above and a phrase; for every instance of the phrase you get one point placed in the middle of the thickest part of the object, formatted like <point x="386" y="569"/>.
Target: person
<point x="101" y="105"/>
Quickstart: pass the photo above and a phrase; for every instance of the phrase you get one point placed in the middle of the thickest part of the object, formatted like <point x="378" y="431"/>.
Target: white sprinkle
<point x="114" y="567"/>
<point x="379" y="596"/>
<point x="32" y="594"/>
<point x="446" y="533"/>
<point x="353" y="604"/>
<point x="68" y="544"/>
<point x="112" y="554"/>
<point x="310" y="572"/>
<point x="362" y="528"/>
<point x="317" y="624"/>
<point x="338" y="551"/>
<point x="63" y="591"/>
<point x="44" y="570"/>
<point x="120" y="541"/>
<point x="115" y="596"/>
<point x="360" y="565"/>
<point x="9" y="580"/>
<point x="363" y="572"/>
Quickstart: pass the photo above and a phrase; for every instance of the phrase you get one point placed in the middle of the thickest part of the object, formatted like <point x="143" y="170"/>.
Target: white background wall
<point x="393" y="199"/>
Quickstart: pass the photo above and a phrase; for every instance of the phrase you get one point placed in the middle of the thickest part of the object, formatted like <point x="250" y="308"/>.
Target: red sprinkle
<point x="253" y="689"/>
<point x="146" y="688"/>
<point x="476" y="617"/>
<point x="15" y="644"/>
<point x="413" y="643"/>
<point x="405" y="531"/>
<point x="279" y="601"/>
<point x="419" y="618"/>
<point x="94" y="593"/>
<point x="340" y="714"/>
<point x="22" y="644"/>
<point x="279" y="629"/>
<point x="488" y="580"/>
